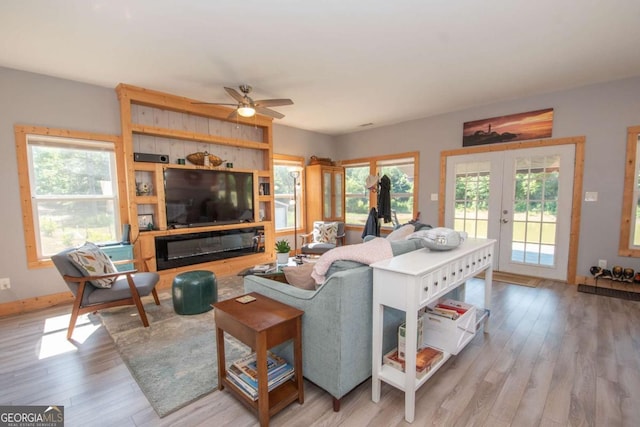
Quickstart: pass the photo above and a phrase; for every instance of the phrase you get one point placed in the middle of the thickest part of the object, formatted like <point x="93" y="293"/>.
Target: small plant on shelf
<point x="283" y="246"/>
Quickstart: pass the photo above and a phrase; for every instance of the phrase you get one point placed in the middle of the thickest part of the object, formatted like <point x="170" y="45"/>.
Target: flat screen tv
<point x="199" y="197"/>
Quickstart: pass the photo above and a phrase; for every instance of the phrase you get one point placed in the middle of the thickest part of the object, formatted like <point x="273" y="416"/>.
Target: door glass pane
<point x="472" y="198"/>
<point x="535" y="210"/>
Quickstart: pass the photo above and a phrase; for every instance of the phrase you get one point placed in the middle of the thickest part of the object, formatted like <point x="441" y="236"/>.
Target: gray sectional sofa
<point x="337" y="324"/>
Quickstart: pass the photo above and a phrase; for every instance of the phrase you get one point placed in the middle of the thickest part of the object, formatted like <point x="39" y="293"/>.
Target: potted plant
<point x="282" y="251"/>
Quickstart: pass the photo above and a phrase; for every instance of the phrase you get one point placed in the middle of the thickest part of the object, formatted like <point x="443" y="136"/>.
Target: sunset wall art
<point x="515" y="127"/>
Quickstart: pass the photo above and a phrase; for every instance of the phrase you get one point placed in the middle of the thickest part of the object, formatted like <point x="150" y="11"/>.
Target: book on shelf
<point x="248" y="364"/>
<point x="457" y="306"/>
<point x="250" y="387"/>
<point x="244" y="374"/>
<point x="261" y="268"/>
<point x="426" y="358"/>
<point x="402" y="336"/>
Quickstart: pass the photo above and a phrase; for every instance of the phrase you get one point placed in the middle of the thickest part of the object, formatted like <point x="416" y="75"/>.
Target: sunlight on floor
<point x="54" y="335"/>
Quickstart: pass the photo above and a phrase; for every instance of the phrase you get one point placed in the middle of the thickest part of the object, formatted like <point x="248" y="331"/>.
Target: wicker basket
<point x="198" y="159"/>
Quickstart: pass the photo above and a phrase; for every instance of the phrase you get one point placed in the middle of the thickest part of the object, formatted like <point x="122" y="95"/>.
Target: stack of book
<point x="244" y="373"/>
<point x="450" y="309"/>
<point x="426" y="358"/>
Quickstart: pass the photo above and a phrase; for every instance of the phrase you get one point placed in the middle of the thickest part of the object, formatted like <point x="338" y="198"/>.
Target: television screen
<point x="207" y="197"/>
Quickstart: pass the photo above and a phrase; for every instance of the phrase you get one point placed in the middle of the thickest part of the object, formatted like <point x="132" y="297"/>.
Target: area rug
<point x="515" y="279"/>
<point x="173" y="360"/>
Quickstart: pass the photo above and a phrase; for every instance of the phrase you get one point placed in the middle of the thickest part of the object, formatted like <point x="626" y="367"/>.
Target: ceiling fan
<point x="247" y="107"/>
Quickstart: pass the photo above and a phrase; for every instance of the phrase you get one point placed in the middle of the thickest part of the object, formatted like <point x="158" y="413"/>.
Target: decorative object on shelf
<point x="199" y="159"/>
<point x="143" y="188"/>
<point x="282" y="248"/>
<point x="145" y="222"/>
<point x="315" y="160"/>
<point x="229" y="165"/>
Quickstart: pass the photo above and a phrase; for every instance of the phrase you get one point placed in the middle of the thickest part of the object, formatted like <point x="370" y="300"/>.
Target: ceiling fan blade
<point x="214" y="103"/>
<point x="272" y="102"/>
<point x="269" y="112"/>
<point x="234" y="94"/>
<point x="233" y="115"/>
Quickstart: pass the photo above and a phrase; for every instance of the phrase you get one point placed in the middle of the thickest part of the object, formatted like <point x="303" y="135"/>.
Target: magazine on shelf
<point x="248" y="364"/>
<point x="250" y="386"/>
<point x="426" y="358"/>
<point x="458" y="306"/>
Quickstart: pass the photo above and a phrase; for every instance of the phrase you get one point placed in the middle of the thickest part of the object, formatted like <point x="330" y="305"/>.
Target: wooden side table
<point x="261" y="324"/>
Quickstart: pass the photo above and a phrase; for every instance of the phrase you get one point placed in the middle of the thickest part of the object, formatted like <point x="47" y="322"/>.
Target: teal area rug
<point x="173" y="360"/>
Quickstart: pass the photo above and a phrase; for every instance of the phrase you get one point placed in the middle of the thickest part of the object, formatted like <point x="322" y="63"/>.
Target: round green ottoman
<point x="194" y="291"/>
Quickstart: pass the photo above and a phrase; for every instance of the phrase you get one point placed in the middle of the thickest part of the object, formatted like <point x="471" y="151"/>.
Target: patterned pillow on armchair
<point x="326" y="232"/>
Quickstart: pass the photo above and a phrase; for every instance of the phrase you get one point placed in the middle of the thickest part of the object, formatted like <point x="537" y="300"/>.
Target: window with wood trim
<point x="69" y="190"/>
<point x="403" y="172"/>
<point x="630" y="224"/>
<point x="289" y="200"/>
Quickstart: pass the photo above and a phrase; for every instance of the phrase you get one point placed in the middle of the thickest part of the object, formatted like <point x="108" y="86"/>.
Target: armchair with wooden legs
<point x="127" y="288"/>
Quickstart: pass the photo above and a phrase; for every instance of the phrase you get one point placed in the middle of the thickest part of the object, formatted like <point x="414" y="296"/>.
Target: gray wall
<point x="600" y="112"/>
<point x="34" y="99"/>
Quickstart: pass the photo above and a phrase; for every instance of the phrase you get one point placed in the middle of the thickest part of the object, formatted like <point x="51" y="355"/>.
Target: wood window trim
<point x="21" y="132"/>
<point x="372" y="162"/>
<point x="576" y="203"/>
<point x="624" y="248"/>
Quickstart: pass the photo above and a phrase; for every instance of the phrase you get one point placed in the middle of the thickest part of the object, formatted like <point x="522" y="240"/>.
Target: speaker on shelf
<point x="126" y="230"/>
<point x="151" y="158"/>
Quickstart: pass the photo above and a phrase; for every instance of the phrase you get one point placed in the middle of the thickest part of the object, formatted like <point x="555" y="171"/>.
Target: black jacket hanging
<point x="384" y="198"/>
<point x="371" y="226"/>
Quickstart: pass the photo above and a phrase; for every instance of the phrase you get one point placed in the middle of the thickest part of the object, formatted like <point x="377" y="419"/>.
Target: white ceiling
<point x="343" y="62"/>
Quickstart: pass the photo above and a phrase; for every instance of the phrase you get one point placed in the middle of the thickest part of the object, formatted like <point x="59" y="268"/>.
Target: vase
<point x="282" y="258"/>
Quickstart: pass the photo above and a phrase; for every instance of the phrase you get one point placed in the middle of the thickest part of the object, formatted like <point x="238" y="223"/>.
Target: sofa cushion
<point x="400" y="247"/>
<point x="300" y="276"/>
<point x="92" y="261"/>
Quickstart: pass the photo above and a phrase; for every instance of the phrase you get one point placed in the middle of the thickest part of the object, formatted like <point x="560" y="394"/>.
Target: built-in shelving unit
<point x="159" y="123"/>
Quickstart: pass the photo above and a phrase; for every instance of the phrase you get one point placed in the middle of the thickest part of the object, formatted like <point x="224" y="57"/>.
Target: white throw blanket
<point x="367" y="253"/>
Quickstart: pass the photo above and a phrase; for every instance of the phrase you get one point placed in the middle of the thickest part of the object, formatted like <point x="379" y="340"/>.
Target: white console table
<point x="410" y="282"/>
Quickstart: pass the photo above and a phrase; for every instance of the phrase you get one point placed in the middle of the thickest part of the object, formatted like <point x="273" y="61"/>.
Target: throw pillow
<point x="300" y="276"/>
<point x="327" y="233"/>
<point x="92" y="261"/>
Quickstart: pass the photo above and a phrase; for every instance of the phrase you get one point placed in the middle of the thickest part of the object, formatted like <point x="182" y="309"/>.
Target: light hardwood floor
<point x="554" y="357"/>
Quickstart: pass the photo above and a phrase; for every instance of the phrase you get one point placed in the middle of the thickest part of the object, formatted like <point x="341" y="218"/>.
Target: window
<point x="288" y="209"/>
<point x="402" y="170"/>
<point x="69" y="190"/>
<point x="630" y="224"/>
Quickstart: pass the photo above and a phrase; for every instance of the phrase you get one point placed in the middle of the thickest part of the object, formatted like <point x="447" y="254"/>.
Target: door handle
<point x="504" y="220"/>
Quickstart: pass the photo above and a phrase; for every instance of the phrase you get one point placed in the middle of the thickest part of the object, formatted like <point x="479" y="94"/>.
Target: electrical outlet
<point x="602" y="263"/>
<point x="5" y="284"/>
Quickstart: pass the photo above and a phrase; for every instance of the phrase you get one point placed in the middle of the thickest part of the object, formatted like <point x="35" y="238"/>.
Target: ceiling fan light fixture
<point x="246" y="111"/>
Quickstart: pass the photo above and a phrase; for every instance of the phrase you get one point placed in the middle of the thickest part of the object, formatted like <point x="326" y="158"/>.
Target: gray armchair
<point x="319" y="241"/>
<point x="127" y="288"/>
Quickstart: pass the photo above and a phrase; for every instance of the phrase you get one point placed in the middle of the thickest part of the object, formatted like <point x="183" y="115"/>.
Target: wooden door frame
<point x="576" y="203"/>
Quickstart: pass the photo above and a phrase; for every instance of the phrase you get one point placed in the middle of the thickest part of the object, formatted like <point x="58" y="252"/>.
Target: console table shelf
<point x="412" y="281"/>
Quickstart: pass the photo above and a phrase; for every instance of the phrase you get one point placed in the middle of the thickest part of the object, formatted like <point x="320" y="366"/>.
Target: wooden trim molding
<point x="35" y="303"/>
<point x="576" y="203"/>
<point x="21" y="132"/>
<point x="624" y="246"/>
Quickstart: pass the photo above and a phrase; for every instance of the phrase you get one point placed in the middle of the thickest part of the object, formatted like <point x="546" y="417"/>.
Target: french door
<point x="522" y="198"/>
